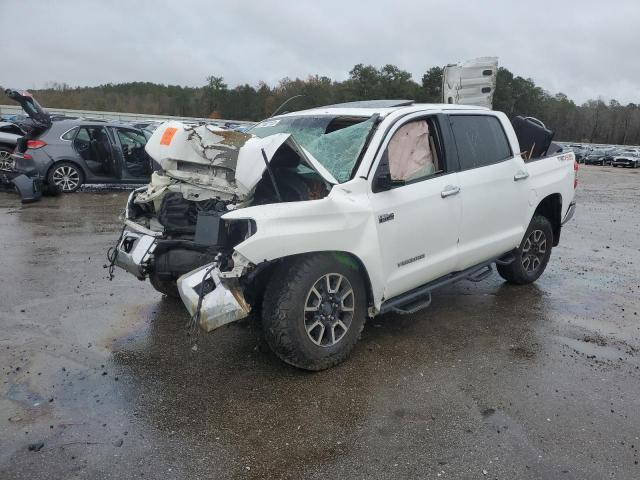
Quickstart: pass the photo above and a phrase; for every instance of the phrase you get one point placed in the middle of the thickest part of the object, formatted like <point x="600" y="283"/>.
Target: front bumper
<point x="570" y="211"/>
<point x="221" y="305"/>
<point x="623" y="163"/>
<point x="133" y="252"/>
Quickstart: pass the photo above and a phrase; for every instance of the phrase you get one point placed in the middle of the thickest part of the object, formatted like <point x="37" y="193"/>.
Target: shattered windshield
<point x="336" y="142"/>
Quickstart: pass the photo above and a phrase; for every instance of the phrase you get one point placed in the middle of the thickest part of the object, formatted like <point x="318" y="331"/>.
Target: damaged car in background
<point x="9" y="135"/>
<point x="318" y="219"/>
<point x="58" y="154"/>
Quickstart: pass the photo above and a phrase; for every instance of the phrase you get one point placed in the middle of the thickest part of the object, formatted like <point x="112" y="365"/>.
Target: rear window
<point x="480" y="140"/>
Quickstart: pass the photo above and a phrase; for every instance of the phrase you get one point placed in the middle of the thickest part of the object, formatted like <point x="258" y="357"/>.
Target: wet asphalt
<point x="100" y="380"/>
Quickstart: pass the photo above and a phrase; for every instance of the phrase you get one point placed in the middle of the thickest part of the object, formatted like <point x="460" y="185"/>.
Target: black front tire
<point x="287" y="321"/>
<point x="531" y="260"/>
<point x="166" y="287"/>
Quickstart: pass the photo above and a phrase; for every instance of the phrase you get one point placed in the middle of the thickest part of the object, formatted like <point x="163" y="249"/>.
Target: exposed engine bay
<point x="205" y="172"/>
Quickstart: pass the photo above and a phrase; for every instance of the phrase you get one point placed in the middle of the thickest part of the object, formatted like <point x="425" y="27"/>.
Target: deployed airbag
<point x="410" y="152"/>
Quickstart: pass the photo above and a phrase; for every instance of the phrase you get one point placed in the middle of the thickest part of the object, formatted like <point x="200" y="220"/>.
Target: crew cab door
<point x="416" y="204"/>
<point x="494" y="188"/>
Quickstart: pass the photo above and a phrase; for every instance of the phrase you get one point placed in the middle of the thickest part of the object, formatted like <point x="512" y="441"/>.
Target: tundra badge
<point x="411" y="260"/>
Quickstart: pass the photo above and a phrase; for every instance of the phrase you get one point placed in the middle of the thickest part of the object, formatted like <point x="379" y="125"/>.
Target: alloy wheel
<point x="329" y="309"/>
<point x="66" y="177"/>
<point x="534" y="249"/>
<point x="6" y="162"/>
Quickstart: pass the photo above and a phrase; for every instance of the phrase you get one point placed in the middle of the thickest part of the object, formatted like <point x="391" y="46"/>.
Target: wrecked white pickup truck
<point x="318" y="219"/>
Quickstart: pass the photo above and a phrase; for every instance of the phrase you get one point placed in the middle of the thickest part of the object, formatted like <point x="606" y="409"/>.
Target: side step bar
<point x="420" y="297"/>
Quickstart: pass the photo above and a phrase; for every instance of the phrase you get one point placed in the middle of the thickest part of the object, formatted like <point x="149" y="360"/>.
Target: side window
<point x="131" y="138"/>
<point x="413" y="152"/>
<point x="480" y="140"/>
<point x="83" y="135"/>
<point x="70" y="134"/>
<point x="136" y="160"/>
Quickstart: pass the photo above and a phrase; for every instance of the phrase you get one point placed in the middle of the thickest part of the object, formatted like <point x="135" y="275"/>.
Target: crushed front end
<point x="174" y="231"/>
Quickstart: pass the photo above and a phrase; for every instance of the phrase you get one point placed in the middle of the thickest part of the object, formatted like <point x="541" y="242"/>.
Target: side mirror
<point x="382" y="182"/>
<point x="385" y="182"/>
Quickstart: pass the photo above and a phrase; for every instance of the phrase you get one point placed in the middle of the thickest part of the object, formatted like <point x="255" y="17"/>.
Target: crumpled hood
<point x="223" y="161"/>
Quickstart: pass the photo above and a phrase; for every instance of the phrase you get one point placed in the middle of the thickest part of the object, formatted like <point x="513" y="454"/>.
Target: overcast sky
<point x="586" y="49"/>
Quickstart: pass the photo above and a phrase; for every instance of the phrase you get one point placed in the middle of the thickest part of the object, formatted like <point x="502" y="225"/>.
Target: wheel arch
<point x="551" y="208"/>
<point x="342" y="256"/>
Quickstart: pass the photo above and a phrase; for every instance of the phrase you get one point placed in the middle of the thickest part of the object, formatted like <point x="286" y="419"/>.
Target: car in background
<point x="595" y="157"/>
<point x="74" y="152"/>
<point x="631" y="158"/>
<point x="580" y="152"/>
<point x="9" y="135"/>
<point x="61" y="154"/>
<point x="612" y="153"/>
<point x="17" y="118"/>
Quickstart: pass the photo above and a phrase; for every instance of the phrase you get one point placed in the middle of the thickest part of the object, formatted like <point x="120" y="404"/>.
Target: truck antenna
<point x="275" y="111"/>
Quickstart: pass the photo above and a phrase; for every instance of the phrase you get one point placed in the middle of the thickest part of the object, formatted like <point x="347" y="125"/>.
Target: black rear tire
<point x="166" y="287"/>
<point x="288" y="317"/>
<point x="532" y="255"/>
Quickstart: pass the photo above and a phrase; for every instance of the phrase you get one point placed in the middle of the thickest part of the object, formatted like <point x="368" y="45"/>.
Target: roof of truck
<point x="381" y="107"/>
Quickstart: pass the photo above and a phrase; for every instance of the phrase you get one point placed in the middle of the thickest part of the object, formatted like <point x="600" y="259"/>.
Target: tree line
<point x="593" y="121"/>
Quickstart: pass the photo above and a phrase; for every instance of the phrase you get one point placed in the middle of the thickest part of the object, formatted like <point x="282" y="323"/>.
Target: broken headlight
<point x="237" y="231"/>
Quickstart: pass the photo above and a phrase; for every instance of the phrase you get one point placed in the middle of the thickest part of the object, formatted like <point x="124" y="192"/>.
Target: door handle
<point x="520" y="175"/>
<point x="449" y="190"/>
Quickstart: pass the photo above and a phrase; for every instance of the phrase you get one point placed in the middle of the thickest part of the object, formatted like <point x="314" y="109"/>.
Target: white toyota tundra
<point x="318" y="219"/>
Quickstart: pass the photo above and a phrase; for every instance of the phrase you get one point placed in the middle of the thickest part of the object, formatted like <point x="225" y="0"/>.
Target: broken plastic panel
<point x="218" y="306"/>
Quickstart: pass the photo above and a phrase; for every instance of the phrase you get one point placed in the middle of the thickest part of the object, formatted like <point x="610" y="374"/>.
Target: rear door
<point x="95" y="149"/>
<point x="38" y="121"/>
<point x="135" y="161"/>
<point x="418" y="214"/>
<point x="494" y="188"/>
